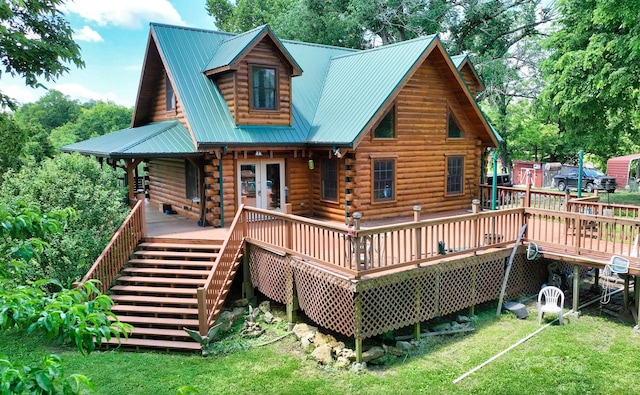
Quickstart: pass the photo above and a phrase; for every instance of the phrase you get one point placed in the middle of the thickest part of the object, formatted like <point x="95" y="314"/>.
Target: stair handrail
<point x="117" y="252"/>
<point x="210" y="293"/>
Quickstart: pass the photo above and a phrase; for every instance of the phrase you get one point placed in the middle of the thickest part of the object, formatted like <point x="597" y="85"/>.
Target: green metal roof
<point x="231" y="48"/>
<point x="167" y="138"/>
<point x="458" y="59"/>
<point x="366" y="79"/>
<point x="336" y="97"/>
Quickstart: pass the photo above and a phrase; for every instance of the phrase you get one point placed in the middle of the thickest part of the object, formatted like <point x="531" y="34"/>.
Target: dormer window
<point x="169" y="94"/>
<point x="263" y="88"/>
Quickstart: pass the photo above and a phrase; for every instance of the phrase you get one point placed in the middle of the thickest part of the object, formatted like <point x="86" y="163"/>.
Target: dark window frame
<point x="170" y="94"/>
<point x="191" y="175"/>
<point x="383" y="190"/>
<point x="329" y="180"/>
<point x="393" y="113"/>
<point x="454" y="185"/>
<point x="452" y="120"/>
<point x="252" y="87"/>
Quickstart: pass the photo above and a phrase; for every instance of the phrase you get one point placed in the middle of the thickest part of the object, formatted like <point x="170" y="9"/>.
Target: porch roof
<point x="169" y="138"/>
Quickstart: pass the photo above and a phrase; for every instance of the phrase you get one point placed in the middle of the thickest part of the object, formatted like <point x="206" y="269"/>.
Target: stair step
<point x="154" y="290"/>
<point x="162" y="280"/>
<point x="169" y="262"/>
<point x="186" y="255"/>
<point x="179" y="246"/>
<point x="180" y="322"/>
<point x="119" y="308"/>
<point x="142" y="331"/>
<point x="155" y="300"/>
<point x="152" y="343"/>
<point x="175" y="272"/>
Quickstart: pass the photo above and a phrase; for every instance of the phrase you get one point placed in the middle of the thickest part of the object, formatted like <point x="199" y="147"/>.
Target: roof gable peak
<point x="232" y="50"/>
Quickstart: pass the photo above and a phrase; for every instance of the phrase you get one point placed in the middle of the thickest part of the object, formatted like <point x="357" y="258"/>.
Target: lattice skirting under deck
<point x="368" y="307"/>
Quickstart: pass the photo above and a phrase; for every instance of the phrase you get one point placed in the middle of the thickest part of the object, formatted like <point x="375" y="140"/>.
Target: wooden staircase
<point x="156" y="292"/>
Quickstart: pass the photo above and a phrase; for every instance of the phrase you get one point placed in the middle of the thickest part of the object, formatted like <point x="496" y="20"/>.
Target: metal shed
<point x="623" y="167"/>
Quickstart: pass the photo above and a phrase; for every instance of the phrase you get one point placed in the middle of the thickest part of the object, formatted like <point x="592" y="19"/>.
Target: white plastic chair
<point x="548" y="299"/>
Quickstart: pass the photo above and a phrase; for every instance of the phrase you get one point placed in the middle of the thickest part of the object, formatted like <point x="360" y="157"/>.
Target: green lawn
<point x="621" y="197"/>
<point x="590" y="354"/>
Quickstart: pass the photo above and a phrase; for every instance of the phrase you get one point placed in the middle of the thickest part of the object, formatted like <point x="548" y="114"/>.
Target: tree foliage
<point x="593" y="76"/>
<point x="35" y="42"/>
<point x="13" y="139"/>
<point x="70" y="181"/>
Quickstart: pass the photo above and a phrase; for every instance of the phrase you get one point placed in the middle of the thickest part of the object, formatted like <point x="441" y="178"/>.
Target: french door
<point x="261" y="183"/>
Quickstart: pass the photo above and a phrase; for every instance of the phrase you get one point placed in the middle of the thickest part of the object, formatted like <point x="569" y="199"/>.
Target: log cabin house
<point x="332" y="131"/>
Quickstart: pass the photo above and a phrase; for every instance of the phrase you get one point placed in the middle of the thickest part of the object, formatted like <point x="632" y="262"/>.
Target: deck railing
<point x="511" y="197"/>
<point x="594" y="207"/>
<point x="219" y="279"/>
<point x="582" y="233"/>
<point x="356" y="252"/>
<point x="117" y="252"/>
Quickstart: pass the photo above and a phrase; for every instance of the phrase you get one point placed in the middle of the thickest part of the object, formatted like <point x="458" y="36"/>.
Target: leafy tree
<point x="242" y="15"/>
<point x="49" y="112"/>
<point x="593" y="76"/>
<point x="13" y="139"/>
<point x="70" y="181"/>
<point x="35" y="42"/>
<point x="102" y="118"/>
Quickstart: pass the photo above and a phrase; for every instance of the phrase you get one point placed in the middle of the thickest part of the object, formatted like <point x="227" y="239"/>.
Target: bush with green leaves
<point x="80" y="316"/>
<point x="70" y="180"/>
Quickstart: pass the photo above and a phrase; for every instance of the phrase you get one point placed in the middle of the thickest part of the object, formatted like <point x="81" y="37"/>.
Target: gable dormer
<point x="253" y="72"/>
<point x="468" y="73"/>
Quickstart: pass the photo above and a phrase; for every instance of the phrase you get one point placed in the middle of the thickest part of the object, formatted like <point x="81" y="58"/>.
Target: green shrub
<point x="70" y="180"/>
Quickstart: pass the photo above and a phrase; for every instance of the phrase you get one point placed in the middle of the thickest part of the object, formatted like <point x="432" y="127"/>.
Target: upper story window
<point x="263" y="88"/>
<point x="453" y="130"/>
<point x="387" y="128"/>
<point x="169" y="94"/>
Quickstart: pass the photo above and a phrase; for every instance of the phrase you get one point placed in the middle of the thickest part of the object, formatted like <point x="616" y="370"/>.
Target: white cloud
<point x="125" y="13"/>
<point x="21" y="93"/>
<point x="87" y="34"/>
<point x="80" y="92"/>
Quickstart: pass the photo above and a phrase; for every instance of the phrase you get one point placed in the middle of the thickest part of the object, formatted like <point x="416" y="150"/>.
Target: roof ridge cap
<point x="430" y="37"/>
<point x="195" y="29"/>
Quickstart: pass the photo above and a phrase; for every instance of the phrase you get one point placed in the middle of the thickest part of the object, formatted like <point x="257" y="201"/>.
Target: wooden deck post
<point x="576" y="287"/>
<point x="418" y="232"/>
<point x="247" y="286"/>
<point x="203" y="313"/>
<point x="527" y="194"/>
<point x="625" y="294"/>
<point x="288" y="242"/>
<point x="357" y="216"/>
<point x="358" y="326"/>
<point x="292" y="300"/>
<point x="636" y="290"/>
<point x="475" y="209"/>
<point x="143" y="213"/>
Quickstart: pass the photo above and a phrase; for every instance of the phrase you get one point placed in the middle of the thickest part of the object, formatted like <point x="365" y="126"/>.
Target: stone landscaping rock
<point x="322" y="339"/>
<point x="265" y="306"/>
<point x="267" y="317"/>
<point x="393" y="350"/>
<point x="342" y="362"/>
<point x="337" y="347"/>
<point x="372" y="353"/>
<point x="303" y="330"/>
<point x="322" y="354"/>
<point x="307" y="344"/>
<point x="404" y="346"/>
<point x="463" y="319"/>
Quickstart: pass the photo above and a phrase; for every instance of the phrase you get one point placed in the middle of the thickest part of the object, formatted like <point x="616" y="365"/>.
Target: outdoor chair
<point x="550" y="300"/>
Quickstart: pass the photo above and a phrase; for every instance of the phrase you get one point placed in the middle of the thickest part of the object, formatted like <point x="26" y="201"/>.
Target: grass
<point x="590" y="354"/>
<point x="621" y="197"/>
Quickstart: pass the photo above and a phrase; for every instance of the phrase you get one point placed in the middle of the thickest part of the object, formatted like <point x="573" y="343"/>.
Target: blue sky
<point x="113" y="36"/>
